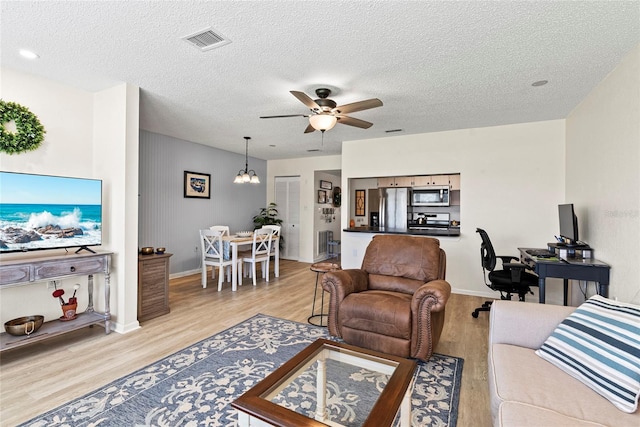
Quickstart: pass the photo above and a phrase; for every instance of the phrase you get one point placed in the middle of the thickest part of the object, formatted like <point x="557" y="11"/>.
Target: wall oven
<point x="436" y="195"/>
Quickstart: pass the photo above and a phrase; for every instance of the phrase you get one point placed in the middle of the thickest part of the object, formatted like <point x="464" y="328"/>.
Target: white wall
<point x="88" y="135"/>
<point x="116" y="142"/>
<point x="305" y="168"/>
<point x="603" y="173"/>
<point x="512" y="179"/>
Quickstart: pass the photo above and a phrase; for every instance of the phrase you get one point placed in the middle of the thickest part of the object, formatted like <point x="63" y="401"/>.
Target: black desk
<point x="588" y="269"/>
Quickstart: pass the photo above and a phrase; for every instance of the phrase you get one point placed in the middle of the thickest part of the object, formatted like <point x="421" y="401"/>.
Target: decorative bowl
<point x="24" y="325"/>
<point x="160" y="251"/>
<point x="244" y="233"/>
<point x="146" y="250"/>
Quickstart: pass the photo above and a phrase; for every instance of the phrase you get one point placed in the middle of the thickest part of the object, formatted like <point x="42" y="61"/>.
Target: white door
<point x="287" y="192"/>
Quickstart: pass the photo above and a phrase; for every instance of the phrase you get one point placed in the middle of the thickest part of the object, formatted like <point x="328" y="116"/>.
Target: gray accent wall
<point x="168" y="219"/>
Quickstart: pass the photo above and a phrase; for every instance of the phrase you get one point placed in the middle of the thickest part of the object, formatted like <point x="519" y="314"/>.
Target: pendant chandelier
<point x="246" y="175"/>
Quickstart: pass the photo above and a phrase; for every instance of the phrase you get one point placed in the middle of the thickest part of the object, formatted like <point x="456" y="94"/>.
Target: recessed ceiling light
<point x="540" y="83"/>
<point x="29" y="54"/>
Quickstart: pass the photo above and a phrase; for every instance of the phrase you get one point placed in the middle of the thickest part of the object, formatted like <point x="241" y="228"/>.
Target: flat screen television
<point x="40" y="212"/>
<point x="568" y="224"/>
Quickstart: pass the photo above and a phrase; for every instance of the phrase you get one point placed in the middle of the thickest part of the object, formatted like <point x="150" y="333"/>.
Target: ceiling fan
<point x="325" y="113"/>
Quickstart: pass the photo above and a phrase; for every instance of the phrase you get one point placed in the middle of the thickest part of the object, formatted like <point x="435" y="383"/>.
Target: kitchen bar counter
<point x="442" y="232"/>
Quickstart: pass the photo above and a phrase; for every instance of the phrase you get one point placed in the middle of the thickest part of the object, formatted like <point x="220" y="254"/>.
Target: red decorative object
<point x="58" y="294"/>
<point x="69" y="311"/>
<point x="68" y="308"/>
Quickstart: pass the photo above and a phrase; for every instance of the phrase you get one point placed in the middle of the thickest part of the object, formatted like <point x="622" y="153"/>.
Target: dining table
<point x="230" y="251"/>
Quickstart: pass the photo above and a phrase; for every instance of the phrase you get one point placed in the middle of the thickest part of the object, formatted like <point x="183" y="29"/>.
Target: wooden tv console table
<point x="25" y="271"/>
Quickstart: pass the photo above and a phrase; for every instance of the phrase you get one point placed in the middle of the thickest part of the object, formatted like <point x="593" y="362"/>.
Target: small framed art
<point x="360" y="202"/>
<point x="322" y="196"/>
<point x="197" y="185"/>
<point x="326" y="185"/>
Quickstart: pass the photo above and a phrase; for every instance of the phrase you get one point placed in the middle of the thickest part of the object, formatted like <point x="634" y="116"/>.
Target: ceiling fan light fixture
<point x="323" y="122"/>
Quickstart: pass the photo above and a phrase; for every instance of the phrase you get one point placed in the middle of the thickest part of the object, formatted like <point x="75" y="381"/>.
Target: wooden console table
<point x="25" y="271"/>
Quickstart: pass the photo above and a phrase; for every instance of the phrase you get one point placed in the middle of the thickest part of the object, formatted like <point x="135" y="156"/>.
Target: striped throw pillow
<point x="599" y="345"/>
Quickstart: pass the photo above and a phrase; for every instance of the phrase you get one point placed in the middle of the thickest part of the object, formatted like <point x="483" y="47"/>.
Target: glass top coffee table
<point x="334" y="384"/>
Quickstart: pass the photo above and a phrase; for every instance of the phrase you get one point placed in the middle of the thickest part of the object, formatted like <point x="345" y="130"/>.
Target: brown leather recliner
<point x="395" y="303"/>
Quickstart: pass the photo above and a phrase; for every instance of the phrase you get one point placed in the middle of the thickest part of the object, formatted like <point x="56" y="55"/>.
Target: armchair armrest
<point x="524" y="324"/>
<point x="344" y="282"/>
<point x="434" y="293"/>
<point x="427" y="317"/>
<point x="339" y="284"/>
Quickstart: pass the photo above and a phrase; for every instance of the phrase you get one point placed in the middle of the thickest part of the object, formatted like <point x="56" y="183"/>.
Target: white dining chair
<point x="213" y="255"/>
<point x="276" y="233"/>
<point x="224" y="229"/>
<point x="276" y="229"/>
<point x="260" y="253"/>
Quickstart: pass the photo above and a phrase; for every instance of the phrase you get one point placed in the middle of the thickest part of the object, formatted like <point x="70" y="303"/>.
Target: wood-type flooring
<point x="39" y="377"/>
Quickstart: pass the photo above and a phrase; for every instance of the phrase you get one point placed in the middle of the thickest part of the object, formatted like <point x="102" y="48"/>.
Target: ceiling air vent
<point x="207" y="39"/>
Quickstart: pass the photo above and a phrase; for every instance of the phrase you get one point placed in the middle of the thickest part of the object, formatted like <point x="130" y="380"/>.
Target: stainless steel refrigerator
<point x="393" y="208"/>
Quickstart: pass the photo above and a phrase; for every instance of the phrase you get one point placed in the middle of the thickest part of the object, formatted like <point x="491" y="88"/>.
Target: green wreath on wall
<point x="29" y="131"/>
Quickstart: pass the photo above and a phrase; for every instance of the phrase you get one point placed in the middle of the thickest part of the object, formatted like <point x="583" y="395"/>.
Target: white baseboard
<point x="185" y="273"/>
<point x="475" y="293"/>
<point x="124" y="329"/>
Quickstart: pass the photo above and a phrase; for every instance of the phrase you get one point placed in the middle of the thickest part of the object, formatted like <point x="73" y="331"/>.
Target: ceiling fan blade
<point x="285" y="115"/>
<point x="351" y="121"/>
<point x="358" y="106"/>
<point x="309" y="129"/>
<point x="305" y="99"/>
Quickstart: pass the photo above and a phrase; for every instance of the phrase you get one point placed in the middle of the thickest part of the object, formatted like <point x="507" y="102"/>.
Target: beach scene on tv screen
<point x="46" y="212"/>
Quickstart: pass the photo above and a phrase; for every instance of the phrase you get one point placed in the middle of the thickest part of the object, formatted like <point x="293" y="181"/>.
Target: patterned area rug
<point x="195" y="386"/>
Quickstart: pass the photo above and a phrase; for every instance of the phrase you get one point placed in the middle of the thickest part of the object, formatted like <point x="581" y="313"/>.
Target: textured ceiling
<point x="435" y="65"/>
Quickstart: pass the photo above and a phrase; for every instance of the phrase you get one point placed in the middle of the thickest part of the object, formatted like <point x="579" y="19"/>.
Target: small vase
<point x="69" y="311"/>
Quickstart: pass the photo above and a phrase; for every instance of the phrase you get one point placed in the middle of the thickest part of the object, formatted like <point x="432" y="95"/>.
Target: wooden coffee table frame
<point x="255" y="410"/>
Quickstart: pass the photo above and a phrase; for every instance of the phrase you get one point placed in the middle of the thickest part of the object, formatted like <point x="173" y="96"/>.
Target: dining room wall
<point x="170" y="220"/>
<point x="304" y="168"/>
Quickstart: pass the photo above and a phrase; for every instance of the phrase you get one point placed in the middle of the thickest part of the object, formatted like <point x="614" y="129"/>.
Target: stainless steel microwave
<point x="436" y="195"/>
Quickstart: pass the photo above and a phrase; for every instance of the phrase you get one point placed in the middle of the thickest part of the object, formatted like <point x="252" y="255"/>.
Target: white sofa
<point x="526" y="390"/>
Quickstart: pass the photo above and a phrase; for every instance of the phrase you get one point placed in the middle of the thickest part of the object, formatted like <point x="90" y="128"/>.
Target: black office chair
<point x="512" y="279"/>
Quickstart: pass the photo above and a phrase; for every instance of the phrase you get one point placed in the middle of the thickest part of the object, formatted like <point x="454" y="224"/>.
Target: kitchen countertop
<point x="451" y="231"/>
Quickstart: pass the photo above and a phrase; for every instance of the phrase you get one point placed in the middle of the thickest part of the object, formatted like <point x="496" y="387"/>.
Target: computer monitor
<point x="568" y="224"/>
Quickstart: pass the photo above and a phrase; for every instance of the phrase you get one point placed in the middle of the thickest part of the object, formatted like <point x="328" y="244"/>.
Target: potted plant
<point x="268" y="216"/>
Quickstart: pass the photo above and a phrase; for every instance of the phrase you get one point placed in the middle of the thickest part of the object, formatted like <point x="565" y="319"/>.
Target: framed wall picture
<point x="326" y="185"/>
<point x="197" y="185"/>
<point x="322" y="196"/>
<point x="361" y="198"/>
